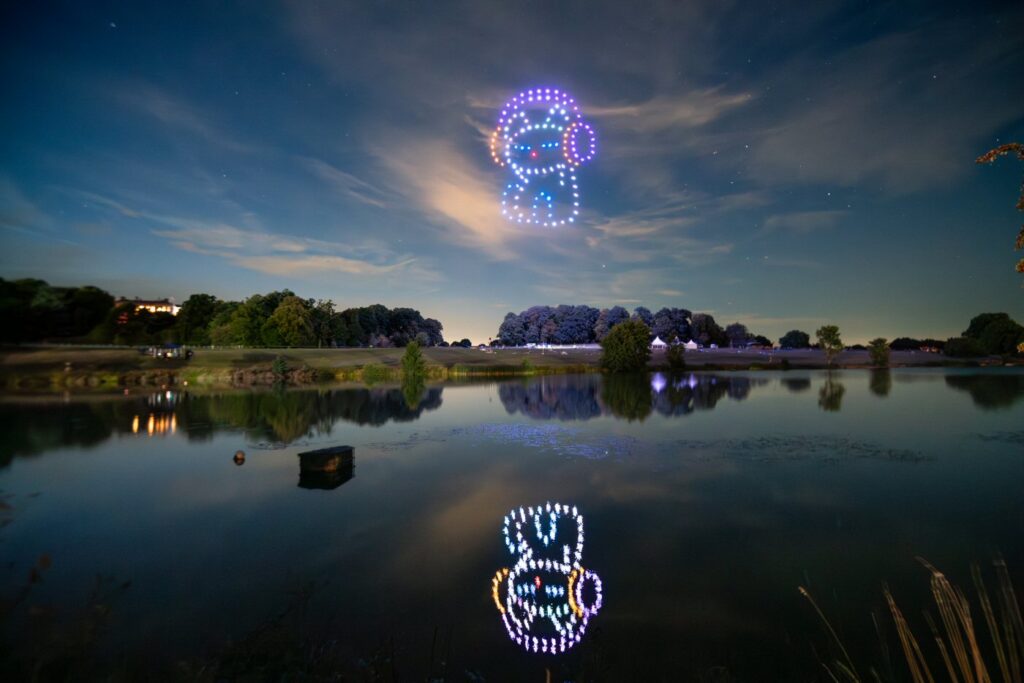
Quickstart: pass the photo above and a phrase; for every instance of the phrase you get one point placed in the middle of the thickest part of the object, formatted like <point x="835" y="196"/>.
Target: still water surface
<point x="708" y="499"/>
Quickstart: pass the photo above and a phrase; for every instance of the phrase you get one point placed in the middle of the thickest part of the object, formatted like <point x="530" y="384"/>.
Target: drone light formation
<point x="549" y="597"/>
<point x="542" y="138"/>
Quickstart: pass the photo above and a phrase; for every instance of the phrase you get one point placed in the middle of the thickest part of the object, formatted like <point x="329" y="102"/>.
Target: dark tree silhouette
<point x="990" y="156"/>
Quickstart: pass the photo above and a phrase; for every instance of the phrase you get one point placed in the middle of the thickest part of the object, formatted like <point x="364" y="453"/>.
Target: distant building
<point x="151" y="305"/>
<point x="658" y="343"/>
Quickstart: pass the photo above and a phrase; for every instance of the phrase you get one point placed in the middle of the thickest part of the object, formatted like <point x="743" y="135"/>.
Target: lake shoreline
<point x="106" y="369"/>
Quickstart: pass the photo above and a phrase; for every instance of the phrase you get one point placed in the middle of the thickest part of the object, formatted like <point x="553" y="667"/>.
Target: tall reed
<point x="965" y="653"/>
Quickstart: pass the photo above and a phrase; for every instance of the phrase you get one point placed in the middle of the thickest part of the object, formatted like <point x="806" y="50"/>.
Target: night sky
<point x="781" y="164"/>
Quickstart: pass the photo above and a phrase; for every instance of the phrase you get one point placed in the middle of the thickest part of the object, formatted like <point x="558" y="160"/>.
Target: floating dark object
<point x="326" y="468"/>
<point x="239" y="457"/>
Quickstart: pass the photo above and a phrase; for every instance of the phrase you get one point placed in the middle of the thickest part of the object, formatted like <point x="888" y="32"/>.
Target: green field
<point x="55" y="359"/>
<point x="105" y="368"/>
<point x="109" y="366"/>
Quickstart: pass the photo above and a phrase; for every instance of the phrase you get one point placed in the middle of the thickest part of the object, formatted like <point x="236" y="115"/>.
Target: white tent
<point x="690" y="345"/>
<point x="658" y="344"/>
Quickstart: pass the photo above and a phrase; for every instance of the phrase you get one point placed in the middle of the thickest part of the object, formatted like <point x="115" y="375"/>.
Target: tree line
<point x="583" y="324"/>
<point x="33" y="311"/>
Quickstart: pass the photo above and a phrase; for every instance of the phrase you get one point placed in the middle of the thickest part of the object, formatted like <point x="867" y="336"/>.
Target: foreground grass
<point x="963" y="651"/>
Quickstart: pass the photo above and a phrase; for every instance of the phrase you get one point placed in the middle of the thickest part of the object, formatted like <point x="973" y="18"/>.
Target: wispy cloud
<point x="20" y="214"/>
<point x="671" y="113"/>
<point x="346" y="184"/>
<point x="666" y="230"/>
<point x="283" y="256"/>
<point x="898" y="110"/>
<point x="271" y="253"/>
<point x="176" y="113"/>
<point x="446" y="187"/>
<point x="316" y="263"/>
<point x="17" y="212"/>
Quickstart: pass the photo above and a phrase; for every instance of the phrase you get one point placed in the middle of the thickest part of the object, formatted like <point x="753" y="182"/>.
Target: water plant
<point x="374" y="372"/>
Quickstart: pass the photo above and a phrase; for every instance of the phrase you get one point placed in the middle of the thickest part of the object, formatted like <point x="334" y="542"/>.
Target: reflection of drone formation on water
<point x="571" y="442"/>
<point x="568" y="398"/>
<point x="549" y="597"/>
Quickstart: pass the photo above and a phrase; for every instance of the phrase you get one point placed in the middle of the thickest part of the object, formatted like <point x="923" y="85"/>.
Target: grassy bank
<point x="108" y="368"/>
<point x="63" y="367"/>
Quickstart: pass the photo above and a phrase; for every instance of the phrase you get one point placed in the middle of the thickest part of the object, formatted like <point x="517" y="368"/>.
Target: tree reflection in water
<point x="990" y="391"/>
<point x="830" y="396"/>
<point x="796" y="384"/>
<point x="630" y="396"/>
<point x="880" y="382"/>
<point x="34" y="426"/>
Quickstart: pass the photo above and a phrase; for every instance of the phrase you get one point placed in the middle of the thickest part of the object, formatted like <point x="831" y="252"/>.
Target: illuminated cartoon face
<point x="546" y="598"/>
<point x="542" y="138"/>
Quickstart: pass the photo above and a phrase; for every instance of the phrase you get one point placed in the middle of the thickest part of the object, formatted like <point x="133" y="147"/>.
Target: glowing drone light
<point x="570" y="143"/>
<point x="551" y="614"/>
<point x="542" y="138"/>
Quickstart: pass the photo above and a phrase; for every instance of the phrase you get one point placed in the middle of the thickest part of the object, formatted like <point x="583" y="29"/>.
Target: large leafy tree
<point x="1002" y="337"/>
<point x="222" y="329"/>
<point x="979" y="322"/>
<point x="879" y="352"/>
<point x="25" y="308"/>
<point x="433" y="330"/>
<point x="403" y="325"/>
<point x="291" y="324"/>
<point x="85" y="307"/>
<point x="194" y="318"/>
<point x="322" y="319"/>
<point x="738" y="334"/>
<point x="511" y="332"/>
<point x="1012" y="148"/>
<point x="32" y="310"/>
<point x="995" y="333"/>
<point x="575" y="324"/>
<point x="705" y="331"/>
<point x="626" y="347"/>
<point x="963" y="347"/>
<point x="671" y="324"/>
<point x="795" y="339"/>
<point x="608" y="319"/>
<point x="250" y="319"/>
<point x="644" y="315"/>
<point x="829" y="341"/>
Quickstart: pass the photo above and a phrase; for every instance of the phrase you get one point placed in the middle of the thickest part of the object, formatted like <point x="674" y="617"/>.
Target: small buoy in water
<point x="239" y="457"/>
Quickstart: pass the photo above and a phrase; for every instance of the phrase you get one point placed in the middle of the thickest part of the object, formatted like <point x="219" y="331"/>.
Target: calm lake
<point x="708" y="500"/>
